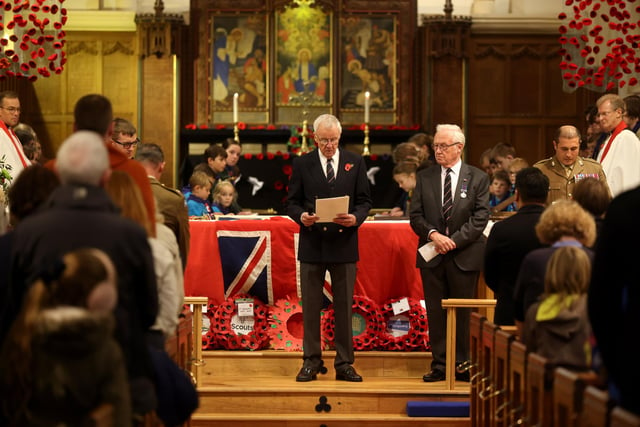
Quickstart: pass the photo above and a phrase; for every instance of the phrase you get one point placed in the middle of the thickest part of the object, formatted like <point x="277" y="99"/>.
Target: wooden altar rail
<point x="451" y="304"/>
<point x="196" y="358"/>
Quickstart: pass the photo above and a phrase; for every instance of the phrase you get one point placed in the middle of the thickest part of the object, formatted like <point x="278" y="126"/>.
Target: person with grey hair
<point x="328" y="245"/>
<point x="82" y="159"/>
<point x="80" y="214"/>
<point x="171" y="203"/>
<point x="620" y="153"/>
<point x="449" y="211"/>
<point x="566" y="167"/>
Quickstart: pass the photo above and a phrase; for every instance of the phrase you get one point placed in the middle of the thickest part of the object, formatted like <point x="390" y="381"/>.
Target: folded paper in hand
<point x="428" y="251"/>
<point x="329" y="208"/>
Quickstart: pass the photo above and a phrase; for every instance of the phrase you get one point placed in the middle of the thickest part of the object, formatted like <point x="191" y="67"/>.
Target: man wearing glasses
<point x="328" y="246"/>
<point x="620" y="152"/>
<point x="12" y="157"/>
<point x="125" y="137"/>
<point x="449" y="210"/>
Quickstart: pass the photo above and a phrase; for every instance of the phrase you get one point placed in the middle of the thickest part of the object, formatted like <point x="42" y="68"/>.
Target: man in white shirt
<point x="12" y="157"/>
<point x="620" y="152"/>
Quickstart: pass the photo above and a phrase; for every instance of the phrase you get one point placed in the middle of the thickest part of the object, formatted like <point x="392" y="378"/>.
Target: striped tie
<point x="331" y="176"/>
<point x="447" y="200"/>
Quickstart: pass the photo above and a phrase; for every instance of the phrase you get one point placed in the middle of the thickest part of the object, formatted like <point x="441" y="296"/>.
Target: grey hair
<point x="458" y="135"/>
<point x="82" y="159"/>
<point x="327" y="120"/>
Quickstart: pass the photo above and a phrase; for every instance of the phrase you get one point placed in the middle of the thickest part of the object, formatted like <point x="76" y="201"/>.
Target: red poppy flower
<point x="271" y="127"/>
<point x="260" y="156"/>
<point x="278" y="185"/>
<point x="242" y="125"/>
<point x="248" y="156"/>
<point x="287" y="169"/>
<point x="270" y="156"/>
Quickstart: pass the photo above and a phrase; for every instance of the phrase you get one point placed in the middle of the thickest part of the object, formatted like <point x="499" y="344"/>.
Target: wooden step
<point x="249" y="388"/>
<point x="327" y="420"/>
<point x="281" y="363"/>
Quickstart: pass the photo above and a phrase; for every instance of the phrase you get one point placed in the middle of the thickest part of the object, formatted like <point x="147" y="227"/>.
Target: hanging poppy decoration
<point x="33" y="45"/>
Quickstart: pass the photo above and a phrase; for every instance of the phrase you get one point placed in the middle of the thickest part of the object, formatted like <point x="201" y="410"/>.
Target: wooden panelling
<point x="515" y="95"/>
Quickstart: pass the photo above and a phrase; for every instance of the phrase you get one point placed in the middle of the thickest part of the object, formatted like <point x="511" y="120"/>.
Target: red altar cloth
<point x="386" y="269"/>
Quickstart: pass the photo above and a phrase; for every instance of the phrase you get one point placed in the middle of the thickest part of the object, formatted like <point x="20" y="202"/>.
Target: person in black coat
<point x="614" y="298"/>
<point x="513" y="238"/>
<point x="328" y="246"/>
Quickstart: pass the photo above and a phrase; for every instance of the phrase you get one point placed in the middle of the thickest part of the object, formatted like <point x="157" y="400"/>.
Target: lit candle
<point x="235" y="107"/>
<point x="366" y="106"/>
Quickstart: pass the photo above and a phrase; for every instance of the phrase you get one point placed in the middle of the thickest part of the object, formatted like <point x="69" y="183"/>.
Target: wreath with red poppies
<point x="366" y="319"/>
<point x="227" y="338"/>
<point x="417" y="336"/>
<point x="286" y="329"/>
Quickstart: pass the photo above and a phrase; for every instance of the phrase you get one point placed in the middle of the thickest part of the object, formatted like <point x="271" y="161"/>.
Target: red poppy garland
<point x="366" y="321"/>
<point x="599" y="44"/>
<point x="37" y="52"/>
<point x="406" y="331"/>
<point x="233" y="333"/>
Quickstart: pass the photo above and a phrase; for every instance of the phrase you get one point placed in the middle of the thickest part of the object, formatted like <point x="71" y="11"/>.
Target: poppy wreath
<point x="227" y="338"/>
<point x="209" y="338"/>
<point x="286" y="329"/>
<point x="365" y="336"/>
<point x="416" y="338"/>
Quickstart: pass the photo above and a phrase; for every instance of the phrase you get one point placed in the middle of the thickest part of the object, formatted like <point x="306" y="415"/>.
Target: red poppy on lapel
<point x="348" y="166"/>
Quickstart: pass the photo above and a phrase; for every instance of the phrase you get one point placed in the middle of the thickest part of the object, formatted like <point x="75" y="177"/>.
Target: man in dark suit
<point x="614" y="298"/>
<point x="511" y="239"/>
<point x="449" y="210"/>
<point x="328" y="246"/>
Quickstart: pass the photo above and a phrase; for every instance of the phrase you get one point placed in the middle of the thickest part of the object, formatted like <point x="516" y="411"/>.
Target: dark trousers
<point x="446" y="280"/>
<point x="343" y="277"/>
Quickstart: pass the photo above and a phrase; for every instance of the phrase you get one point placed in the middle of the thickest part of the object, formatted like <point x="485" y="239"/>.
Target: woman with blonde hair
<point x="564" y="223"/>
<point x="557" y="326"/>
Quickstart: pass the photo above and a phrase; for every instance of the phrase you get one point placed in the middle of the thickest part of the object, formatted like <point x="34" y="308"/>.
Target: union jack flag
<point x="252" y="265"/>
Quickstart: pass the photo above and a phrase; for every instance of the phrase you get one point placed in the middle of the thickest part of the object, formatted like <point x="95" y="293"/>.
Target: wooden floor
<point x="243" y="388"/>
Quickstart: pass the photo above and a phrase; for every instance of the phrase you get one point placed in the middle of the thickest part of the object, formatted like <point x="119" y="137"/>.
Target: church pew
<point x="568" y="389"/>
<point x="517" y="383"/>
<point x="502" y="375"/>
<point x="475" y="370"/>
<point x="487" y="385"/>
<point x="596" y="408"/>
<point x="620" y="417"/>
<point x="539" y="391"/>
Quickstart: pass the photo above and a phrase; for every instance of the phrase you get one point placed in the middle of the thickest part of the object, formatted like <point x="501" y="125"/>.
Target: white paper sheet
<point x="428" y="251"/>
<point x="329" y="208"/>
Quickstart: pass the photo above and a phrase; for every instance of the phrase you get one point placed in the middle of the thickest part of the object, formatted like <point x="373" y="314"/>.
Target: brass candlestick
<point x="236" y="137"/>
<point x="365" y="151"/>
<point x="303" y="145"/>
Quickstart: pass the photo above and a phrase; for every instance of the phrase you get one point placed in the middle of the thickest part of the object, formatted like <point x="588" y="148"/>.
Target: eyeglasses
<point x="443" y="147"/>
<point x="11" y="110"/>
<point x="604" y="113"/>
<point x="127" y="144"/>
<point x="325" y="141"/>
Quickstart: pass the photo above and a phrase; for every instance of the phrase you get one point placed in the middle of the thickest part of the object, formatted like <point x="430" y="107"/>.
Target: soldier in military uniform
<point x="566" y="167"/>
<point x="170" y="201"/>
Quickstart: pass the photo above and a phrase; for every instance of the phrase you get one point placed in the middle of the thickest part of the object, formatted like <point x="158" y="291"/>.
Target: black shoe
<point x="433" y="376"/>
<point x="348" y="374"/>
<point x="308" y="373"/>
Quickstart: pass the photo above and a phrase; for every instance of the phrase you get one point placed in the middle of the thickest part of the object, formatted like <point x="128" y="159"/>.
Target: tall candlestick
<point x="235" y="107"/>
<point x="366" y="106"/>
